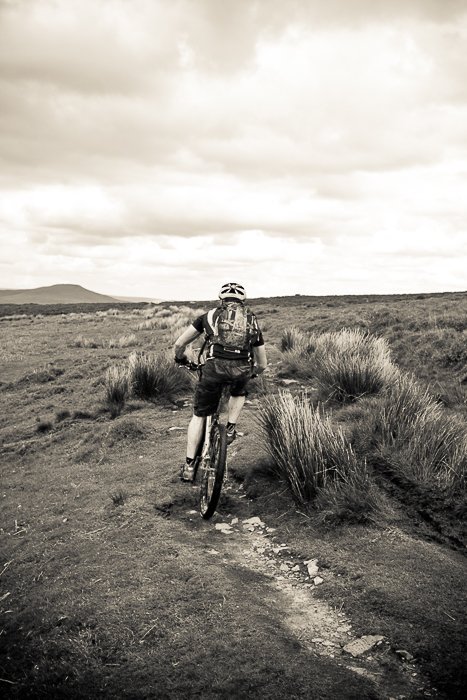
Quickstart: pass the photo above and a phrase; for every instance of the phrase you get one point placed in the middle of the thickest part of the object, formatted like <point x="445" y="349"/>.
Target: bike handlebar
<point x="185" y="362"/>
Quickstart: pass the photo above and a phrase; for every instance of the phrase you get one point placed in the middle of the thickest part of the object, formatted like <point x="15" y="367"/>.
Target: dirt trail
<point x="246" y="545"/>
<point x="146" y="600"/>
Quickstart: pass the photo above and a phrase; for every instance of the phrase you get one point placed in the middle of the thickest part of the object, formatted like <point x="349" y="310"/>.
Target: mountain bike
<point x="211" y="457"/>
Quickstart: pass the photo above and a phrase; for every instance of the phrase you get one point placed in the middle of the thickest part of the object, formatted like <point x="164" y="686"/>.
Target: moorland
<point x="351" y="459"/>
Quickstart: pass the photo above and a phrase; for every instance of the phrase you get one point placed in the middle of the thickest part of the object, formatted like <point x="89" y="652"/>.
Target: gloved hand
<point x="181" y="360"/>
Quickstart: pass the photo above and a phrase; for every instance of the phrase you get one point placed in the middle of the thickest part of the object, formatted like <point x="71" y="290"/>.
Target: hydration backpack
<point x="232" y="326"/>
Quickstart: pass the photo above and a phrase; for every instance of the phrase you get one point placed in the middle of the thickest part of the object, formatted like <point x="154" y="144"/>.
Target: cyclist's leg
<point x="235" y="406"/>
<point x="195" y="435"/>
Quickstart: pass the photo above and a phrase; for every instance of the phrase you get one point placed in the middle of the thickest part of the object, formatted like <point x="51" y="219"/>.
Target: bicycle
<point x="211" y="457"/>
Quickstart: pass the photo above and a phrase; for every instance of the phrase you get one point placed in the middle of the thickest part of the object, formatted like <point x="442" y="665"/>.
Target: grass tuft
<point x="118" y="497"/>
<point x="292" y="339"/>
<point x="116" y="389"/>
<point x="62" y="415"/>
<point x="313" y="456"/>
<point x="346" y="364"/>
<point x="429" y="442"/>
<point x="156" y="376"/>
<point x="44" y="426"/>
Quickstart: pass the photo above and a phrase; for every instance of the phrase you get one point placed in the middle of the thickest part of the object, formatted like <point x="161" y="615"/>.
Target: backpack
<point x="233" y="326"/>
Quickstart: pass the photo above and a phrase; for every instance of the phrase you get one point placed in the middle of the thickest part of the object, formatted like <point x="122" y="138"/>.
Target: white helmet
<point x="232" y="290"/>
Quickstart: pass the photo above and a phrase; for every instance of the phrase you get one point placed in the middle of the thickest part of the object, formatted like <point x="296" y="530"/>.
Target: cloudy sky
<point x="162" y="147"/>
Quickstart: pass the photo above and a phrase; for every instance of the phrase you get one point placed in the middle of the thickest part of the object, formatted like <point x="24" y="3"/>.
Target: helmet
<point x="232" y="290"/>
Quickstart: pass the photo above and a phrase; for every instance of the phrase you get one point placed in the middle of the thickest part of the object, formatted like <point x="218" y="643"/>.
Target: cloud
<point x="308" y="128"/>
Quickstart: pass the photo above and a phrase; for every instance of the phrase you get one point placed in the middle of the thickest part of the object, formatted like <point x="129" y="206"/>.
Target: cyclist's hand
<point x="185" y="362"/>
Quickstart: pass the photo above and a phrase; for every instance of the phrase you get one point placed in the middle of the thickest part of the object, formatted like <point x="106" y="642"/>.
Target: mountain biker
<point x="235" y="364"/>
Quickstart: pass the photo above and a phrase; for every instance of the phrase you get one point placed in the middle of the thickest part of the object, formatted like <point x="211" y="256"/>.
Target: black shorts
<point x="214" y="375"/>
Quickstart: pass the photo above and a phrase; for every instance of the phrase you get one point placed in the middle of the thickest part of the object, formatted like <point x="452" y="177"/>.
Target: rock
<point x="317" y="640"/>
<point x="255" y="522"/>
<point x="296" y="568"/>
<point x="289" y="381"/>
<point x="318" y="580"/>
<point x="312" y="566"/>
<point x="405" y="655"/>
<point x="278" y="550"/>
<point x="224" y="527"/>
<point x="234" y="521"/>
<point x="175" y="428"/>
<point x="284" y="567"/>
<point x="357" y="647"/>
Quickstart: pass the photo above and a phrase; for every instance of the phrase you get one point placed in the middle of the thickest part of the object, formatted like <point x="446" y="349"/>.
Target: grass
<point x="154" y="376"/>
<point x="82" y="618"/>
<point x="125" y="341"/>
<point x="117" y="386"/>
<point x="293" y="339"/>
<point x="425" y="441"/>
<point x="144" y="376"/>
<point x="346" y="364"/>
<point x="313" y="457"/>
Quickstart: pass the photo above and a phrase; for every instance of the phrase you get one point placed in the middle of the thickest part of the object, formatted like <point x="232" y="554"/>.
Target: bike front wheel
<point x="213" y="471"/>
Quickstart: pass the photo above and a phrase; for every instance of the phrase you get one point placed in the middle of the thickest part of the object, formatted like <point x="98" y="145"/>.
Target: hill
<point x="55" y="294"/>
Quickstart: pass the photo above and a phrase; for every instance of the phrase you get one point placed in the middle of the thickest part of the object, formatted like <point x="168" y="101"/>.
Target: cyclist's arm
<point x="260" y="359"/>
<point x="185" y="339"/>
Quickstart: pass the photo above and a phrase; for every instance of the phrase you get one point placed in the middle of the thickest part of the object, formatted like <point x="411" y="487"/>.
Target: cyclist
<point x="235" y="352"/>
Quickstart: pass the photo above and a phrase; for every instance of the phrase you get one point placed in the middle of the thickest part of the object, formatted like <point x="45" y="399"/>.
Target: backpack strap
<point x="210" y="330"/>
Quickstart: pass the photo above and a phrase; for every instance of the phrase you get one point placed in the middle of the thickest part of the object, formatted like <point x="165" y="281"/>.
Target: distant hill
<point x="55" y="294"/>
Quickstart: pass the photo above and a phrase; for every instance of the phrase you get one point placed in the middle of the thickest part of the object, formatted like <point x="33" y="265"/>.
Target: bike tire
<point x="213" y="472"/>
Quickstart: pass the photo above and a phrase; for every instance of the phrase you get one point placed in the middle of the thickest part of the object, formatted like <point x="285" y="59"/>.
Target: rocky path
<point x="251" y="545"/>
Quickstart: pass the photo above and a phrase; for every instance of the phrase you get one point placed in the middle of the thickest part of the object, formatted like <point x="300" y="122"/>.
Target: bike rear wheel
<point x="213" y="471"/>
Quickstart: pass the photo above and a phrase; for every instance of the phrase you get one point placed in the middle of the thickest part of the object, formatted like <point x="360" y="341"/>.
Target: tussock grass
<point x="292" y="339"/>
<point x="156" y="376"/>
<point x="125" y="341"/>
<point x="346" y="364"/>
<point x="429" y="443"/>
<point x="420" y="439"/>
<point x="354" y="498"/>
<point x="117" y="386"/>
<point x="118" y="497"/>
<point x="313" y="456"/>
<point x="174" y="319"/>
<point x="81" y="342"/>
<point x="62" y="415"/>
<point x="351" y="363"/>
<point x="44" y="426"/>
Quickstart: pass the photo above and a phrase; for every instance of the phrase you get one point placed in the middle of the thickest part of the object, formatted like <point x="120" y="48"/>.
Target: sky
<point x="160" y="148"/>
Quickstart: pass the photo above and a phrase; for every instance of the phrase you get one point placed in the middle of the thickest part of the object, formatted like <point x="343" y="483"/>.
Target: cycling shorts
<point x="214" y="375"/>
